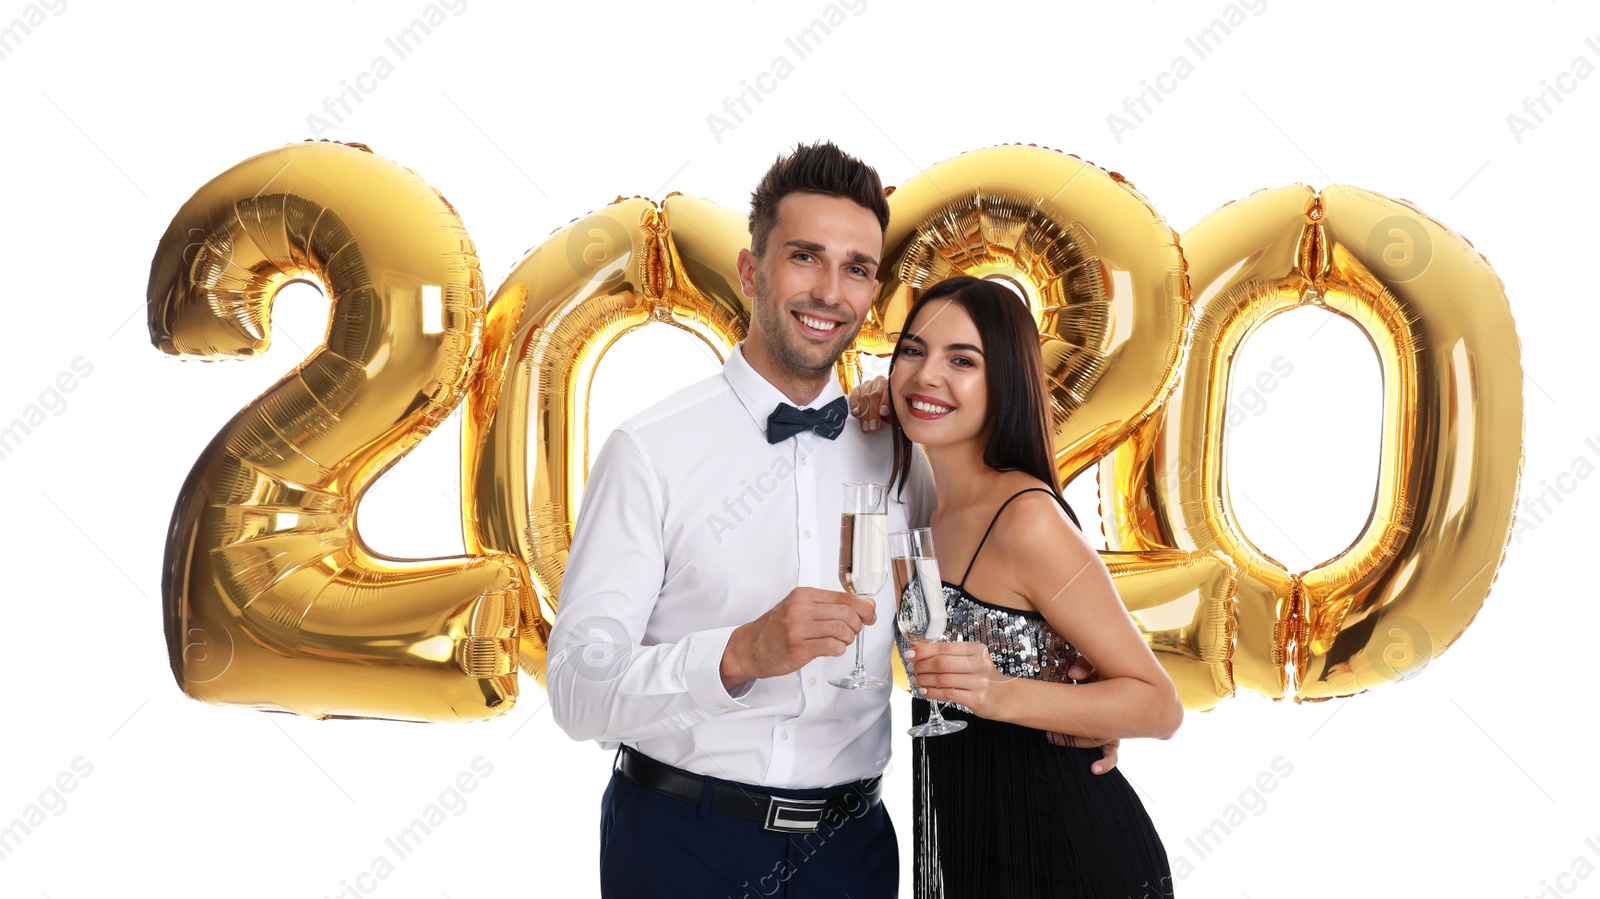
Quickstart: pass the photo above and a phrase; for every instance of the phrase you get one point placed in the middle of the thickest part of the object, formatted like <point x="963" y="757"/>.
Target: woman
<point x="1001" y="810"/>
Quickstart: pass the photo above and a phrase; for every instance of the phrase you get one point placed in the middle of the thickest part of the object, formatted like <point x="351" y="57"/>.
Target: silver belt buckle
<point x="781" y="814"/>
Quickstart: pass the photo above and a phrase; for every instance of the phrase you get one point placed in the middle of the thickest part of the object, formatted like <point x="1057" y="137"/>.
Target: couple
<point x="700" y="618"/>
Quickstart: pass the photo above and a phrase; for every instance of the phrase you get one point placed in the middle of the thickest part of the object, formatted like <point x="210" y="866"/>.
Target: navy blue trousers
<point x="663" y="848"/>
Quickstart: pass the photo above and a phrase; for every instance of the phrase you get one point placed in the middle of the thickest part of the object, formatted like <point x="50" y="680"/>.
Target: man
<point x="700" y="616"/>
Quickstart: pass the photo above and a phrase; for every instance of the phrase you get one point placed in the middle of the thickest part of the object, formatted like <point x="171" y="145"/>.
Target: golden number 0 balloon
<point x="271" y="598"/>
<point x="550" y="323"/>
<point x="1103" y="275"/>
<point x="1439" y="320"/>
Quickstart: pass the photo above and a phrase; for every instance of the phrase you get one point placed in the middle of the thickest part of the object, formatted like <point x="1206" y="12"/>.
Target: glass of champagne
<point x="922" y="614"/>
<point x="863" y="563"/>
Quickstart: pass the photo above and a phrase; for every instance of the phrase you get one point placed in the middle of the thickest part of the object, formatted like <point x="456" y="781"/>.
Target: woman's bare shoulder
<point x="1035" y="521"/>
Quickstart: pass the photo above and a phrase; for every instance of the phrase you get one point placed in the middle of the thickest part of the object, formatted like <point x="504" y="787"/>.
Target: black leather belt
<point x="777" y="813"/>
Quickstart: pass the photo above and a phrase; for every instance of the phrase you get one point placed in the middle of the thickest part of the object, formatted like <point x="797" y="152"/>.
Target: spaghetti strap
<point x="996" y="518"/>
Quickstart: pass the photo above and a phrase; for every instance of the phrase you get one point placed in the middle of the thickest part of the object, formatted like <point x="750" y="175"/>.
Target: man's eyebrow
<point x="814" y="247"/>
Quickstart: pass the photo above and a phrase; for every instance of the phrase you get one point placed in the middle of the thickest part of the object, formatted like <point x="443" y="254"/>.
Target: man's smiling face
<point x="813" y="285"/>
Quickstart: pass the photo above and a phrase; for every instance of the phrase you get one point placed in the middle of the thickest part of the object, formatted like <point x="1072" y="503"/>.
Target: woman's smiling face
<point x="938" y="380"/>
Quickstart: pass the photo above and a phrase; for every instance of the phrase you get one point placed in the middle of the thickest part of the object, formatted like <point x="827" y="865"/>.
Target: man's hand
<point x="870" y="403"/>
<point x="1108" y="749"/>
<point x="806" y="624"/>
<point x="1083" y="671"/>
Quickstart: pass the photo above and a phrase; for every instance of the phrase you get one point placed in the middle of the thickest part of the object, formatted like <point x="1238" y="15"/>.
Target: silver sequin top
<point x="1022" y="644"/>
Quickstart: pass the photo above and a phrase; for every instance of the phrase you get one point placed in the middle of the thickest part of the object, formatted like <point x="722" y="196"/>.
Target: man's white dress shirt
<point x="691" y="525"/>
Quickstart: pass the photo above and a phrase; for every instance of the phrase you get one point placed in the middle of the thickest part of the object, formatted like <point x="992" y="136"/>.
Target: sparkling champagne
<point x="921" y="613"/>
<point x="864" y="552"/>
<point x="863" y="565"/>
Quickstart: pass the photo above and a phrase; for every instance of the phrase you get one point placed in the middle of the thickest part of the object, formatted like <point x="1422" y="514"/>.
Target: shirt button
<point x="812" y="682"/>
<point x="802" y="460"/>
<point x="806" y="533"/>
<point x="784" y="735"/>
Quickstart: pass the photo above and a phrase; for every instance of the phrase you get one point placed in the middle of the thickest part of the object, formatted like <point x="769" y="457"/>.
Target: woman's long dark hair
<point x="1020" y="440"/>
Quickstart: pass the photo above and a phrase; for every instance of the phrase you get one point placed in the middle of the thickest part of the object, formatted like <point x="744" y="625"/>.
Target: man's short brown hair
<point x="819" y="168"/>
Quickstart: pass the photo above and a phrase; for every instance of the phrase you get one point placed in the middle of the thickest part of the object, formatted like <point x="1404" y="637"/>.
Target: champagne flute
<point x="922" y="614"/>
<point x="863" y="563"/>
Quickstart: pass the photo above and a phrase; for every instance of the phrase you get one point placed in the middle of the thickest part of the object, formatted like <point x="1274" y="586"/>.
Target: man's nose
<point x="829" y="287"/>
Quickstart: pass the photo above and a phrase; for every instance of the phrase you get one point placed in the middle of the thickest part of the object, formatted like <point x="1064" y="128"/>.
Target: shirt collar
<point x="758" y="395"/>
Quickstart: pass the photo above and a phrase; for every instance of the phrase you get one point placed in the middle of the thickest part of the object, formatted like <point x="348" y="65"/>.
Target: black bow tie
<point x="787" y="421"/>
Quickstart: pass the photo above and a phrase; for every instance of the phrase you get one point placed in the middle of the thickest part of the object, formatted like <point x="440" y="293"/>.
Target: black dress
<point x="1003" y="812"/>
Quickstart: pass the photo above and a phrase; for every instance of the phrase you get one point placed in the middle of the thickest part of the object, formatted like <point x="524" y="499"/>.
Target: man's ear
<point x="747" y="273"/>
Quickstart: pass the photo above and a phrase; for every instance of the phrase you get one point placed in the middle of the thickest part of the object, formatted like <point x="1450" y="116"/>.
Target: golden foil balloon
<point x="1183" y="603"/>
<point x="271" y="598"/>
<point x="550" y="323"/>
<point x="1095" y="262"/>
<point x="1452" y="410"/>
<point x="1105" y="279"/>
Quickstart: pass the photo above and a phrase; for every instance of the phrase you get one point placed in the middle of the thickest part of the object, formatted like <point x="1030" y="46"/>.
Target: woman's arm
<point x="1050" y="565"/>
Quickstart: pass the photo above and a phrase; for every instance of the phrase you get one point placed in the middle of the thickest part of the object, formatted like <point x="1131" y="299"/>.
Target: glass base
<point x="937" y="728"/>
<point x="858" y="680"/>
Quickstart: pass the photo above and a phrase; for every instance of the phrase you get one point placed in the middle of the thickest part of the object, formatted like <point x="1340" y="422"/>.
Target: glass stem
<point x="935" y="717"/>
<point x="861" y="667"/>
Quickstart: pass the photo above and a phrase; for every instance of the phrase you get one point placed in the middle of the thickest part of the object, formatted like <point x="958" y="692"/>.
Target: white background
<point x="1470" y="780"/>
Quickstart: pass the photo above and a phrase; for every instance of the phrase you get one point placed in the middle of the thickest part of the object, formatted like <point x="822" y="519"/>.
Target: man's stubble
<point x="770" y="317"/>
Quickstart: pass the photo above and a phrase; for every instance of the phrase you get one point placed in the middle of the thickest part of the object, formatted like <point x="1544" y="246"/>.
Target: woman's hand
<point x="962" y="673"/>
<point x="870" y="403"/>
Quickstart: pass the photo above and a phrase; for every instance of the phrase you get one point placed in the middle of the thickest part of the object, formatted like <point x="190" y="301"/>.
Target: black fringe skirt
<point x="1002" y="812"/>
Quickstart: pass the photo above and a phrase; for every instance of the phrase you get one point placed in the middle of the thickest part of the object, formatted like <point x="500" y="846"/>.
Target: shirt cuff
<point x="704" y="673"/>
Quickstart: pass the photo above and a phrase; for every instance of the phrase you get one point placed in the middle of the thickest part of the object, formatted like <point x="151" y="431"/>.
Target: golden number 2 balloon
<point x="271" y="598"/>
<point x="1439" y="320"/>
